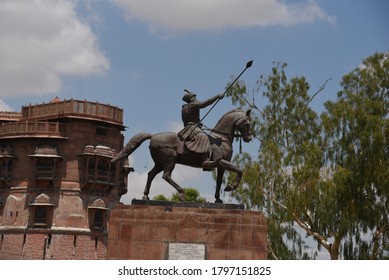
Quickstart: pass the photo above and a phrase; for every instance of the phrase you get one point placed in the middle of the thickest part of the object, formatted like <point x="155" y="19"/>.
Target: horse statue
<point x="167" y="150"/>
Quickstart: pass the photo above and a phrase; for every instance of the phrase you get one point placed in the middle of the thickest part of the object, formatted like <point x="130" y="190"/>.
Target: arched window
<point x="45" y="159"/>
<point x="97" y="214"/>
<point x="99" y="172"/>
<point x="91" y="165"/>
<point x="102" y="165"/>
<point x="44" y="166"/>
<point x="6" y="162"/>
<point x="42" y="211"/>
<point x="102" y="170"/>
<point x="40" y="216"/>
<point x="98" y="219"/>
<point x="5" y="168"/>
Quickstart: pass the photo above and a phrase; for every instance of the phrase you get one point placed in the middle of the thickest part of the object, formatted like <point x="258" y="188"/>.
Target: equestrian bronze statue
<point x="192" y="146"/>
<point x="167" y="150"/>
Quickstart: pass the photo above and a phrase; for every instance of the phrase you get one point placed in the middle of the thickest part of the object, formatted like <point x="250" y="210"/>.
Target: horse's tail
<point x="132" y="145"/>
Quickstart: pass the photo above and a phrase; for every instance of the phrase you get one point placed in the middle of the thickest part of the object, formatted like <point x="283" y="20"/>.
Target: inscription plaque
<point x="186" y="251"/>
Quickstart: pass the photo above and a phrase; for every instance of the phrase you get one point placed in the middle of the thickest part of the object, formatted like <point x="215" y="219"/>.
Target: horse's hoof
<point x="228" y="188"/>
<point x="145" y="197"/>
<point x="219" y="201"/>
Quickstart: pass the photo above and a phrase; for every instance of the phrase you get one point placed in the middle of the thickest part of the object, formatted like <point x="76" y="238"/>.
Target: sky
<point x="141" y="54"/>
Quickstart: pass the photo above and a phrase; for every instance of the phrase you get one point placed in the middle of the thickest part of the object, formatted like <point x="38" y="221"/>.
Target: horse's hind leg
<point x="219" y="181"/>
<point x="150" y="176"/>
<point x="167" y="175"/>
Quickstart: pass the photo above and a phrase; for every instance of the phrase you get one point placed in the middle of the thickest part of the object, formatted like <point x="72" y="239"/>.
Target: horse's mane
<point x="228" y="113"/>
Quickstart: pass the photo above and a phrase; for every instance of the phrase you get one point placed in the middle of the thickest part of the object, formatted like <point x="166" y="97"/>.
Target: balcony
<point x="33" y="129"/>
<point x="73" y="109"/>
<point x="7" y="116"/>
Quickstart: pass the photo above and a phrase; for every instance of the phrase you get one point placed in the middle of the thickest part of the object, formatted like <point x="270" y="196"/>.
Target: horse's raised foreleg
<point x="219" y="181"/>
<point x="230" y="167"/>
<point x="150" y="176"/>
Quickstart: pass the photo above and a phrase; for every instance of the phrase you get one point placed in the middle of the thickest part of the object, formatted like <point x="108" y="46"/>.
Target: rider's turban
<point x="188" y="96"/>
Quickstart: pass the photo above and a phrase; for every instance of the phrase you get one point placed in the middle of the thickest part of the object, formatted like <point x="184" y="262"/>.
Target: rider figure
<point x="196" y="140"/>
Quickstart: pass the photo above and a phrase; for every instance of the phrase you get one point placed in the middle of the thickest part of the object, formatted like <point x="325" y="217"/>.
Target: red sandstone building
<point x="57" y="183"/>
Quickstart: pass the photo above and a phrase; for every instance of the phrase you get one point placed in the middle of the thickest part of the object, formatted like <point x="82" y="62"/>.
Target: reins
<point x="227" y="134"/>
<point x="205" y="128"/>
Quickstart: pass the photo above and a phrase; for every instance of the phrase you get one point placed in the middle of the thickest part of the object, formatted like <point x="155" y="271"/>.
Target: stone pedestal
<point x="163" y="230"/>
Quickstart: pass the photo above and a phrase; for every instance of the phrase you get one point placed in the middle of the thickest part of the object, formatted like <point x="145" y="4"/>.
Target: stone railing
<point x="73" y="108"/>
<point x="25" y="128"/>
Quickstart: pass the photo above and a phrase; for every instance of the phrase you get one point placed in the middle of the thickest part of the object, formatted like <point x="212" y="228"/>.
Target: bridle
<point x="212" y="130"/>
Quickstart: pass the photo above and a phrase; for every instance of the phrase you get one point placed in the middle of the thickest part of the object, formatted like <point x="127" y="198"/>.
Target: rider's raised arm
<point x="205" y="103"/>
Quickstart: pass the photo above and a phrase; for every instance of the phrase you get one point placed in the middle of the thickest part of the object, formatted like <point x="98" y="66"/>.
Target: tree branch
<point x="319" y="90"/>
<point x="320" y="238"/>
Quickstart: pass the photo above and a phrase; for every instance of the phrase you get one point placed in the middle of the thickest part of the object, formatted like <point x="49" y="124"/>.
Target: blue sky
<point x="141" y="55"/>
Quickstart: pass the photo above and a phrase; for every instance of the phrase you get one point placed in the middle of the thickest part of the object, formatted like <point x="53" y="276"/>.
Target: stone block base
<point x="157" y="232"/>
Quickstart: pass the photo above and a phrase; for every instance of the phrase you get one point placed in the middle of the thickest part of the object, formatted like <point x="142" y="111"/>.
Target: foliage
<point x="160" y="197"/>
<point x="191" y="195"/>
<point x="325" y="175"/>
<point x="357" y="131"/>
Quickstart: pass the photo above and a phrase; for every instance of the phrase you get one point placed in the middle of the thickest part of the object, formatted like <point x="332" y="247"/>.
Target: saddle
<point x="200" y="144"/>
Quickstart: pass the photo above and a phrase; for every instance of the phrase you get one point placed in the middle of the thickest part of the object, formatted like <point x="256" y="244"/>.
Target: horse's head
<point x="235" y="120"/>
<point x="243" y="125"/>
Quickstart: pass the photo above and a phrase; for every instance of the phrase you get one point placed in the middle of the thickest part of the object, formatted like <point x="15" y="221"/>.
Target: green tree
<point x="309" y="174"/>
<point x="283" y="180"/>
<point x="191" y="195"/>
<point x="160" y="197"/>
<point x="357" y="134"/>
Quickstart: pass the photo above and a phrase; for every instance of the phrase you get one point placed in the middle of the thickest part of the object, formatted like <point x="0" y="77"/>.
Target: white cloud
<point x="42" y="40"/>
<point x="183" y="175"/>
<point x="188" y="15"/>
